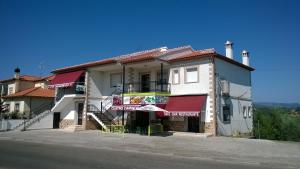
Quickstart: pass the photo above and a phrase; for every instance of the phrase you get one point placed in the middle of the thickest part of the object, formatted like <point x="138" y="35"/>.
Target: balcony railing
<point x="149" y="86"/>
<point x="77" y="88"/>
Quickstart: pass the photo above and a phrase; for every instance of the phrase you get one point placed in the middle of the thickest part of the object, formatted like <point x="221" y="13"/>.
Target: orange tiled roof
<point x="30" y="78"/>
<point x="33" y="92"/>
<point x="152" y="54"/>
<point x="193" y="55"/>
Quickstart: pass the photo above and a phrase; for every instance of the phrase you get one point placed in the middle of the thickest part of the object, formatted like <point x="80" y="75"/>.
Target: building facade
<point x="24" y="96"/>
<point x="179" y="89"/>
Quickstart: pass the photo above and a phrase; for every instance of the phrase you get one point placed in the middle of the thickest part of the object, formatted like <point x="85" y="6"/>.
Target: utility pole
<point x="123" y="90"/>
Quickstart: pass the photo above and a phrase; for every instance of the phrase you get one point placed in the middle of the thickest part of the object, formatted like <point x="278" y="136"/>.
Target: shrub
<point x="276" y="124"/>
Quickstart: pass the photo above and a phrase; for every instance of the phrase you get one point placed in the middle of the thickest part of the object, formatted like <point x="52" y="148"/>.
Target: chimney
<point x="17" y="81"/>
<point x="17" y="73"/>
<point x="229" y="49"/>
<point x="163" y="49"/>
<point x="245" y="56"/>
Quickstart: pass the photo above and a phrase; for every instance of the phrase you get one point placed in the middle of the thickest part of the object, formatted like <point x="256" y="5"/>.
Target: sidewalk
<point x="237" y="150"/>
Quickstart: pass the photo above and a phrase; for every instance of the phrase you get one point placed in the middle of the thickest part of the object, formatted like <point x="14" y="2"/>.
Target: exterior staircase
<point x="100" y="112"/>
<point x="74" y="128"/>
<point x="28" y="122"/>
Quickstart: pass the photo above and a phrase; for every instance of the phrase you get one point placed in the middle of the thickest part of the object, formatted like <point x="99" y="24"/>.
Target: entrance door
<point x="193" y="124"/>
<point x="56" y="120"/>
<point x="145" y="83"/>
<point x="79" y="113"/>
<point x="142" y="122"/>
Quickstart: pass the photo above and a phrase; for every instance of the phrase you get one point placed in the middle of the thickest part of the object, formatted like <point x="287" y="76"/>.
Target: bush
<point x="276" y="124"/>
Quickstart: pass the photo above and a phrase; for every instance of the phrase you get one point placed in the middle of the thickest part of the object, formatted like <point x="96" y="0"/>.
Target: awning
<point x="185" y="105"/>
<point x="65" y="79"/>
<point x="150" y="107"/>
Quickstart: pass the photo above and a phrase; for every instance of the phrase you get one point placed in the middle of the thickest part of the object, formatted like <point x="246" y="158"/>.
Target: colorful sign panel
<point x="140" y="100"/>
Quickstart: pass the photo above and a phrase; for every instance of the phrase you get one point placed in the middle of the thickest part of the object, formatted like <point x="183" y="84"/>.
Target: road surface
<point x="22" y="155"/>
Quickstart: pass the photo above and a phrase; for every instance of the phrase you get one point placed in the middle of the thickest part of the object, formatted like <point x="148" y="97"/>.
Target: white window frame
<point x="249" y="111"/>
<point x="110" y="79"/>
<point x="173" y="75"/>
<point x="245" y="114"/>
<point x="10" y="90"/>
<point x="7" y="107"/>
<point x="185" y="74"/>
<point x="15" y="109"/>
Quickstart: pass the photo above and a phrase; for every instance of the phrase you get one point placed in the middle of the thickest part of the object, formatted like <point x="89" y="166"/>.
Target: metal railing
<point x="148" y="86"/>
<point x="77" y="88"/>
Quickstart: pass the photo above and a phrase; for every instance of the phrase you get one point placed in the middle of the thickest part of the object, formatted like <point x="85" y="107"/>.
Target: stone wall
<point x="92" y="124"/>
<point x="176" y="125"/>
<point x="66" y="123"/>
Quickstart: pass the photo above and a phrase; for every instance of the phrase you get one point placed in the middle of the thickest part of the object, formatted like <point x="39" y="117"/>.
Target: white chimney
<point x="164" y="49"/>
<point x="17" y="73"/>
<point x="229" y="49"/>
<point x="245" y="56"/>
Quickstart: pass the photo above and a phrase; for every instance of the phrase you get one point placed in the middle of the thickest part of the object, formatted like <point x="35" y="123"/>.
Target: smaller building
<point x="25" y="96"/>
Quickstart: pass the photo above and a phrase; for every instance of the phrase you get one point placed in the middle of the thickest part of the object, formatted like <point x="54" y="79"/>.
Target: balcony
<point x="77" y="88"/>
<point x="147" y="87"/>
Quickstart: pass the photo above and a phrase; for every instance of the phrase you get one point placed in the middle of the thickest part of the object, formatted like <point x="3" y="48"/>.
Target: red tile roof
<point x="33" y="92"/>
<point x="141" y="57"/>
<point x="29" y="78"/>
<point x="84" y="66"/>
<point x="193" y="55"/>
<point x="152" y="54"/>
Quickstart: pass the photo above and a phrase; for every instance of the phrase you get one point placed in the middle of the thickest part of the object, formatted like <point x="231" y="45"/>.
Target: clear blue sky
<point x="60" y="33"/>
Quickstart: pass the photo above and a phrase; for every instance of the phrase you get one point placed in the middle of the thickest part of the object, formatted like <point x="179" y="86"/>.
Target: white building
<point x="201" y="91"/>
<point x="25" y="95"/>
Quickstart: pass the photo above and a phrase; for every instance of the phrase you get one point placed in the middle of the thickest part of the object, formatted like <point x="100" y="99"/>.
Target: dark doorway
<point x="56" y="120"/>
<point x="142" y="122"/>
<point x="193" y="124"/>
<point x="145" y="83"/>
<point x="79" y="112"/>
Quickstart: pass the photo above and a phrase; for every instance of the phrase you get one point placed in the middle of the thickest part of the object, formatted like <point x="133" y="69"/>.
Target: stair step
<point x="74" y="128"/>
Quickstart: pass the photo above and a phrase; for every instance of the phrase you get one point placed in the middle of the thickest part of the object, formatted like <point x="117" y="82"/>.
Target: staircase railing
<point x="98" y="120"/>
<point x="42" y="111"/>
<point x="95" y="110"/>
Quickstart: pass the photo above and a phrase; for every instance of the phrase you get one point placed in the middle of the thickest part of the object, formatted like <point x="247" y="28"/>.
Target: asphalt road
<point x="23" y="155"/>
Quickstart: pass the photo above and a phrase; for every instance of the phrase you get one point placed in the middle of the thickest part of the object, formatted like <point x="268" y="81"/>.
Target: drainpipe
<point x="123" y="90"/>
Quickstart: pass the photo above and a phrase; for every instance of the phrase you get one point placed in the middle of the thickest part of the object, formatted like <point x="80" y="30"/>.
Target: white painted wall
<point x="13" y="86"/>
<point x="240" y="95"/>
<point x="44" y="123"/>
<point x="201" y="87"/>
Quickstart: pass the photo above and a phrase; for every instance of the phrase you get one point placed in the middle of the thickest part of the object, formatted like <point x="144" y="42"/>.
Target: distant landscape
<point x="276" y="121"/>
<point x="274" y="104"/>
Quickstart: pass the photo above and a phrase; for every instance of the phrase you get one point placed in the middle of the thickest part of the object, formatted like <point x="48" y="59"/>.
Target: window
<point x="7" y="107"/>
<point x="249" y="111"/>
<point x="17" y="107"/>
<point x="176" y="76"/>
<point x="10" y="90"/>
<point x="115" y="79"/>
<point x="245" y="111"/>
<point x="191" y="75"/>
<point x="226" y="113"/>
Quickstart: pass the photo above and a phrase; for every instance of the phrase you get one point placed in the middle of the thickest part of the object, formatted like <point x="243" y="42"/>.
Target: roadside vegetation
<point x="276" y="123"/>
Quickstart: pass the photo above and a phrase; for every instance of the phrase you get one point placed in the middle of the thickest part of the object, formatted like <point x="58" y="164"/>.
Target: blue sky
<point x="67" y="32"/>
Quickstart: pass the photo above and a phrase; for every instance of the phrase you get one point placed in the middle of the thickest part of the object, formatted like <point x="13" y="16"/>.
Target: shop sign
<point x="182" y="114"/>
